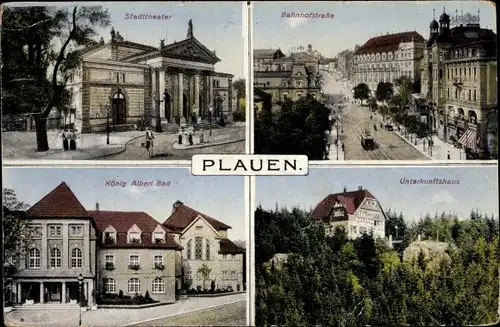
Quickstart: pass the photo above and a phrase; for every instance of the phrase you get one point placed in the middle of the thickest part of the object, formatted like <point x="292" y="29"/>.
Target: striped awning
<point x="468" y="139"/>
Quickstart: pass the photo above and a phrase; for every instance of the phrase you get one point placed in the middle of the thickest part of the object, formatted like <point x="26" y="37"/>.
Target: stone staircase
<point x="46" y="307"/>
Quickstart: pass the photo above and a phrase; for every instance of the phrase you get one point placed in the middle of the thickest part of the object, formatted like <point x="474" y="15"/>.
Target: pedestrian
<point x="202" y="136"/>
<point x="449" y="157"/>
<point x="190" y="138"/>
<point x="65" y="141"/>
<point x="343" y="147"/>
<point x="149" y="141"/>
<point x="72" y="140"/>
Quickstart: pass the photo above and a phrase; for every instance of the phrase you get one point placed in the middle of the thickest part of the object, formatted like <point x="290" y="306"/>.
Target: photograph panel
<point x="132" y="82"/>
<point x="335" y="82"/>
<point x="138" y="247"/>
<point x="397" y="246"/>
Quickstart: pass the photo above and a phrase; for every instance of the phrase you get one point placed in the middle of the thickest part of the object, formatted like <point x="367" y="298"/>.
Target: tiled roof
<point x="227" y="246"/>
<point x="184" y="215"/>
<point x="122" y="221"/>
<point x="272" y="74"/>
<point x="264" y="53"/>
<point x="61" y="202"/>
<point x="351" y="201"/>
<point x="386" y="43"/>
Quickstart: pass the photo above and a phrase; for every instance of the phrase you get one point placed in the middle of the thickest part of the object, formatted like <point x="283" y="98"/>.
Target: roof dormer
<point x="109" y="235"/>
<point x="159" y="235"/>
<point x="134" y="235"/>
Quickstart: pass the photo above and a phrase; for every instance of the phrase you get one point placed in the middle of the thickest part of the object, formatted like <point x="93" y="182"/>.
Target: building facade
<point x="358" y="212"/>
<point x="345" y="64"/>
<point x="205" y="242"/>
<point x="75" y="251"/>
<point x="127" y="83"/>
<point x="459" y="81"/>
<point x="388" y="57"/>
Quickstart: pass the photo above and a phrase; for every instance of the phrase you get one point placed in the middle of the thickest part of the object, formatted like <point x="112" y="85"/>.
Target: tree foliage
<point x="384" y="91"/>
<point x="361" y="92"/>
<point x="336" y="281"/>
<point x="297" y="128"/>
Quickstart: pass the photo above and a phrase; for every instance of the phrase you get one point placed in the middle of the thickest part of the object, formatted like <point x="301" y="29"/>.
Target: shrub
<point x="238" y="287"/>
<point x="239" y="115"/>
<point x="198" y="288"/>
<point x="218" y="291"/>
<point x="147" y="297"/>
<point x="212" y="286"/>
<point x="109" y="266"/>
<point x="193" y="291"/>
<point x="120" y="294"/>
<point x="230" y="288"/>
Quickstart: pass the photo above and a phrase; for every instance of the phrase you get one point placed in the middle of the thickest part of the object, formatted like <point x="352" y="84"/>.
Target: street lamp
<point x="108" y="108"/>
<point x="80" y="284"/>
<point x="220" y="100"/>
<point x="157" y="101"/>
<point x="337" y="140"/>
<point x="210" y="111"/>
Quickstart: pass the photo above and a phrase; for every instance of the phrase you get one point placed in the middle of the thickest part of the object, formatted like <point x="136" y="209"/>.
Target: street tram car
<point x="367" y="140"/>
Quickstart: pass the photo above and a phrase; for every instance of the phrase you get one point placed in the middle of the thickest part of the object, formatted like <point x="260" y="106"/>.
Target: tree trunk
<point x="41" y="133"/>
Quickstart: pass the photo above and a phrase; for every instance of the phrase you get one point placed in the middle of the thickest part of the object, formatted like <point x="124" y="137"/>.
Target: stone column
<point x="180" y="87"/>
<point x="153" y="90"/>
<point x="42" y="293"/>
<point x="90" y="297"/>
<point x="19" y="292"/>
<point x="211" y="91"/>
<point x="230" y="96"/>
<point x="161" y="90"/>
<point x="63" y="293"/>
<point x="196" y="101"/>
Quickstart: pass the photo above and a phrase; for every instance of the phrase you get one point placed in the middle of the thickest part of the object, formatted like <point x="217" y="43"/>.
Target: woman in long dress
<point x="72" y="140"/>
<point x="65" y="140"/>
<point x="149" y="141"/>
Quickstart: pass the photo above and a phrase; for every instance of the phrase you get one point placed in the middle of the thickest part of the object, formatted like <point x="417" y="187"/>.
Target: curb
<point x="116" y="152"/>
<point x="206" y="145"/>
<point x="413" y="146"/>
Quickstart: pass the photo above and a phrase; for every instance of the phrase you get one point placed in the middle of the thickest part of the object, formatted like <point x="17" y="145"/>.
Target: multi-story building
<point x="388" y="57"/>
<point x="459" y="81"/>
<point x="74" y="249"/>
<point x="345" y="63"/>
<point x="358" y="212"/>
<point x="205" y="242"/>
<point x="263" y="59"/>
<point x="131" y="82"/>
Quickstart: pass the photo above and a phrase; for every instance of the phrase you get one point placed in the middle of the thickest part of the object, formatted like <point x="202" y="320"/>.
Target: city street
<point x="355" y="119"/>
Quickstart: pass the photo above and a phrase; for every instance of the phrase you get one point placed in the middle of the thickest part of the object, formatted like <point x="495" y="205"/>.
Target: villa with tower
<point x="127" y="83"/>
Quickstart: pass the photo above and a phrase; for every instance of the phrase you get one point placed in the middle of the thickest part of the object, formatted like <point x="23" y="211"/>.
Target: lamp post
<point x="210" y="111"/>
<point x="220" y="100"/>
<point x="80" y="285"/>
<point x="108" y="108"/>
<point x="337" y="140"/>
<point x="157" y="101"/>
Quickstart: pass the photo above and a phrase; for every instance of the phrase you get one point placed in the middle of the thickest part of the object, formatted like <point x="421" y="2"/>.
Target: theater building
<point x="127" y="83"/>
<point x="358" y="212"/>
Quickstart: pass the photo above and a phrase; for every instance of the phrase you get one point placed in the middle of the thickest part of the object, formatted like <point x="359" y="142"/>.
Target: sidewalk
<point x="218" y="137"/>
<point x="22" y="145"/>
<point x="332" y="153"/>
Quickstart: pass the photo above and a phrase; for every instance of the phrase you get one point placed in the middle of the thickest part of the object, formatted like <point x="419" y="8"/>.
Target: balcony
<point x="159" y="266"/>
<point x="109" y="240"/>
<point x="109" y="266"/>
<point x="135" y="241"/>
<point x="134" y="267"/>
<point x="458" y="82"/>
<point x="159" y="241"/>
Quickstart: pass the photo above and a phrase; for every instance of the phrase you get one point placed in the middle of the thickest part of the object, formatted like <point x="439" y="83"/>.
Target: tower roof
<point x="434" y="24"/>
<point x="444" y="18"/>
<point x="61" y="202"/>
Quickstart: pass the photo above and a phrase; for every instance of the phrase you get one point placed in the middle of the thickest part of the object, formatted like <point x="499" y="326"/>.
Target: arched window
<point x="207" y="250"/>
<point x="134" y="285"/>
<point x="76" y="258"/>
<point x="55" y="258"/>
<point x="189" y="250"/>
<point x="34" y="260"/>
<point x="158" y="286"/>
<point x="198" y="245"/>
<point x="118" y="95"/>
<point x="110" y="285"/>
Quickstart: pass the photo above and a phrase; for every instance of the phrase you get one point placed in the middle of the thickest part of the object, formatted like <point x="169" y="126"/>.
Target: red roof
<point x="61" y="202"/>
<point x="387" y="43"/>
<point x="227" y="246"/>
<point x="351" y="201"/>
<point x="122" y="221"/>
<point x="184" y="215"/>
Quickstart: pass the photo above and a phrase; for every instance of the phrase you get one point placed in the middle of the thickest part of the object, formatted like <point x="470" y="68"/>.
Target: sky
<point x="477" y="188"/>
<point x="217" y="25"/>
<point x="353" y="22"/>
<point x="219" y="197"/>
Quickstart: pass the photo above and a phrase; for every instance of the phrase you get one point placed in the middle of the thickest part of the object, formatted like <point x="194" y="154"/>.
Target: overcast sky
<point x="353" y="22"/>
<point x="217" y="25"/>
<point x="219" y="197"/>
<point x="477" y="188"/>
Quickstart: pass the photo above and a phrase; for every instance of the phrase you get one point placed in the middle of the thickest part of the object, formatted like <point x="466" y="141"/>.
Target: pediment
<point x="192" y="50"/>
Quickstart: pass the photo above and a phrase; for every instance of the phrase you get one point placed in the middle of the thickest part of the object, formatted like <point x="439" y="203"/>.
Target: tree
<point x="405" y="89"/>
<point x="384" y="91"/>
<point x="372" y="103"/>
<point x="204" y="271"/>
<point x="361" y="92"/>
<point x="36" y="29"/>
<point x="240" y="86"/>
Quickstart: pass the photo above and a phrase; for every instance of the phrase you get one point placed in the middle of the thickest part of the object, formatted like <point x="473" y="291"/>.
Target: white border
<point x="249" y="89"/>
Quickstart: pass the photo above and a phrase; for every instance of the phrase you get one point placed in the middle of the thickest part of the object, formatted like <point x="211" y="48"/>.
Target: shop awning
<point x="468" y="139"/>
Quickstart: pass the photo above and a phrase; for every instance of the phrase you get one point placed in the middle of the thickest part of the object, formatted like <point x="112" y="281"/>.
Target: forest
<point x="335" y="281"/>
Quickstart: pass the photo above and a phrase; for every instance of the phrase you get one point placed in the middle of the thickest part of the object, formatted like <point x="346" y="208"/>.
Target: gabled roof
<point x="350" y="200"/>
<point x="61" y="202"/>
<point x="267" y="53"/>
<point x="184" y="215"/>
<point x="227" y="246"/>
<point x="122" y="221"/>
<point x="388" y="43"/>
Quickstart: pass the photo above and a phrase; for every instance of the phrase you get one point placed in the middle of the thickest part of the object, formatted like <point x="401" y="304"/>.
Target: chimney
<point x="360" y="188"/>
<point x="345" y="190"/>
<point x="176" y="205"/>
<point x="97" y="206"/>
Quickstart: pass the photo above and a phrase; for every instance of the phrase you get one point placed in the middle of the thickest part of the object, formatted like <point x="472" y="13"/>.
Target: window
<point x="117" y="77"/>
<point x="189" y="275"/>
<point x="158" y="286"/>
<point x="158" y="237"/>
<point x="233" y="256"/>
<point x="207" y="250"/>
<point x="469" y="72"/>
<point x="109" y="238"/>
<point x="157" y="259"/>
<point x="37" y="230"/>
<point x="55" y="230"/>
<point x="109" y="258"/>
<point x="55" y="258"/>
<point x="189" y="250"/>
<point x="474" y="99"/>
<point x="133" y="259"/>
<point x="224" y="274"/>
<point x="76" y="230"/>
<point x="224" y="256"/>
<point x="198" y="275"/>
<point x="34" y="258"/>
<point x="299" y="95"/>
<point x="448" y="93"/>
<point x="474" y="72"/>
<point x="470" y="92"/>
<point x="233" y="274"/>
<point x="198" y="248"/>
<point x="134" y="237"/>
<point x="448" y="73"/>
<point x="134" y="285"/>
<point x="299" y="84"/>
<point x="285" y="96"/>
<point x="123" y="77"/>
<point x="110" y="285"/>
<point x="76" y="258"/>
